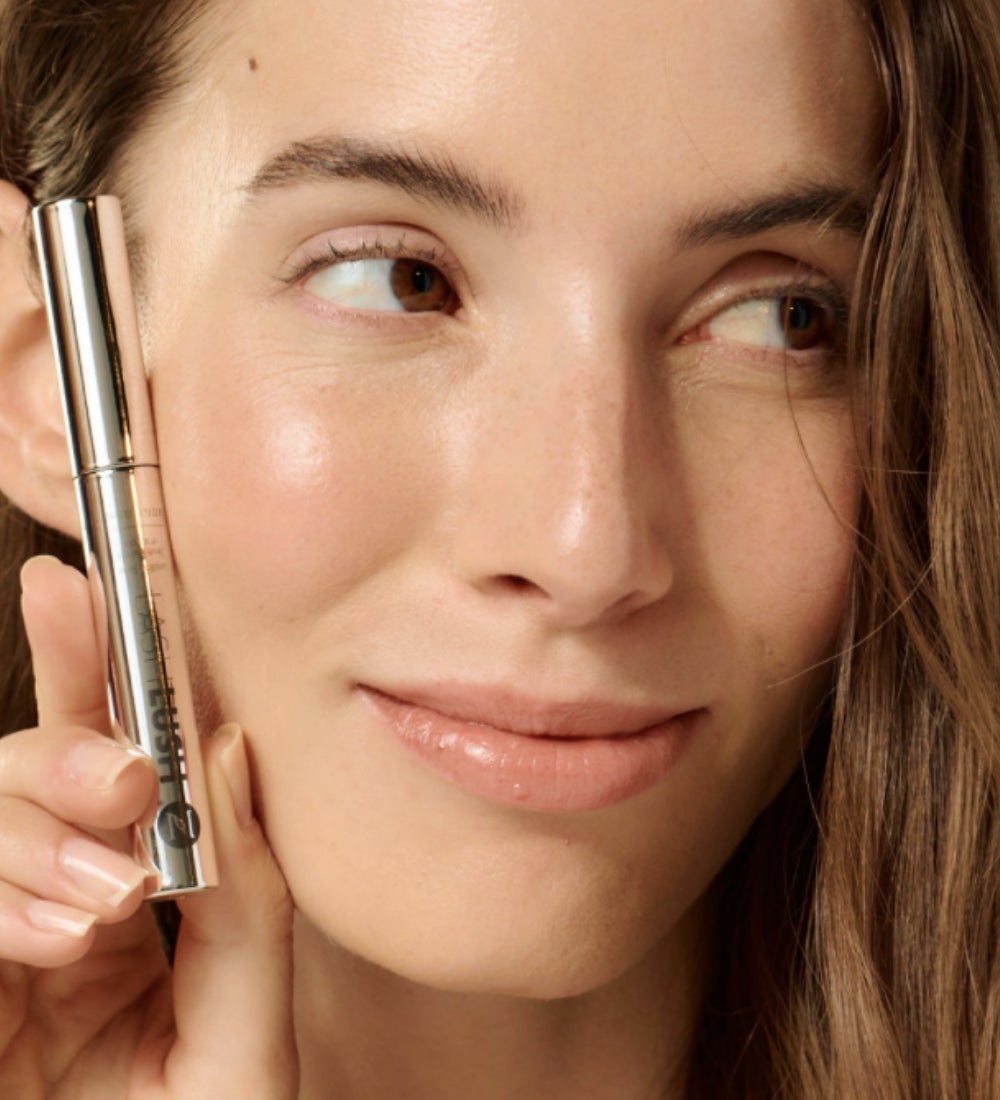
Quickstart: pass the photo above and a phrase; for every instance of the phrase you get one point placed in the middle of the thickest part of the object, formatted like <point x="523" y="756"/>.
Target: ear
<point x="34" y="459"/>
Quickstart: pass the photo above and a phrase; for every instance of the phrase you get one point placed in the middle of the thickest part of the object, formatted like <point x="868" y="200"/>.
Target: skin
<point x="588" y="478"/>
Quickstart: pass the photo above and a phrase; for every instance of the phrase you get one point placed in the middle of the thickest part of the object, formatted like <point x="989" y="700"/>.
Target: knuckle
<point x="19" y="822"/>
<point x="30" y="760"/>
<point x="27" y="843"/>
<point x="11" y="750"/>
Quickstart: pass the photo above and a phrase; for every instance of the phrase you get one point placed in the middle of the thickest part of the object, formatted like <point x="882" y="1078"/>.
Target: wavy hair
<point x="862" y="955"/>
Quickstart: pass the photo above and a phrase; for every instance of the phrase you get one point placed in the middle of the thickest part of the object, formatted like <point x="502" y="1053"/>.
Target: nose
<point x="563" y="500"/>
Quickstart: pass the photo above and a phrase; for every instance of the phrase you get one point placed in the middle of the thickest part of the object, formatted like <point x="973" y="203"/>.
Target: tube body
<point x="84" y="263"/>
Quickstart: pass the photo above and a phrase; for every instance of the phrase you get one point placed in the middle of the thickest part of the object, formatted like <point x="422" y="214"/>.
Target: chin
<point x="543" y="956"/>
<point x="524" y="977"/>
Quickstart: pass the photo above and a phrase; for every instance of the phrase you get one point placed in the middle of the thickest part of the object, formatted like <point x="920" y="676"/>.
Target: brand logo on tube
<point x="168" y="746"/>
<point x="177" y="825"/>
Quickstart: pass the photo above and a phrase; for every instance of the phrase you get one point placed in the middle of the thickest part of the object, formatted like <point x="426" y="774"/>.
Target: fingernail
<point x="233" y="759"/>
<point x="97" y="763"/>
<point x="49" y="916"/>
<point x="103" y="875"/>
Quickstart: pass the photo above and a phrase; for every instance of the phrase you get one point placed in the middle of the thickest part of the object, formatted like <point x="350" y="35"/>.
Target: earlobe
<point x="34" y="461"/>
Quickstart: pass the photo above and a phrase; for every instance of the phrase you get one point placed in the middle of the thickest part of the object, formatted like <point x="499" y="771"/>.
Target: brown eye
<point x="806" y="323"/>
<point x="420" y="287"/>
<point x="792" y="321"/>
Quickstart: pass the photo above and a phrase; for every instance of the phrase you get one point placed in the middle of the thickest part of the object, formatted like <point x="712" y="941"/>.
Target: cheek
<point x="281" y="496"/>
<point x="775" y="534"/>
<point x="798" y="517"/>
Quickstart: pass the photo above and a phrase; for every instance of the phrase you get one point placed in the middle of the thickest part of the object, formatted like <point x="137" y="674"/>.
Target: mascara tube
<point x="84" y="263"/>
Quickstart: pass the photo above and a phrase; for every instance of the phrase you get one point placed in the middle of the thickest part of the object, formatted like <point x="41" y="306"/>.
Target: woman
<point x="531" y="383"/>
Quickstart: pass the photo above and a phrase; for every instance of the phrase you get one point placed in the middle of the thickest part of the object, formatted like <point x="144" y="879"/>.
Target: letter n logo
<point x="178" y="824"/>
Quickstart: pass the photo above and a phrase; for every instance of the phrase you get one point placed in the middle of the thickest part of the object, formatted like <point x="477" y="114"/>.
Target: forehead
<point x="581" y="103"/>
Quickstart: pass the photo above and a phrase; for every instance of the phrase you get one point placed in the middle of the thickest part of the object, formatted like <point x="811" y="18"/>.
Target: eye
<point x="383" y="284"/>
<point x="793" y="322"/>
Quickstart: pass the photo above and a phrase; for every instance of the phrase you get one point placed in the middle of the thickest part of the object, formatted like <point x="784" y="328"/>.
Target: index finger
<point x="69" y="663"/>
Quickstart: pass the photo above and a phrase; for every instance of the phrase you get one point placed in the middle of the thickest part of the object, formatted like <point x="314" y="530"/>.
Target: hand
<point x="88" y="1006"/>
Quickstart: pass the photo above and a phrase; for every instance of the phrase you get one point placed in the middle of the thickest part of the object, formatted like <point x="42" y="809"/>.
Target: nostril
<point x="514" y="582"/>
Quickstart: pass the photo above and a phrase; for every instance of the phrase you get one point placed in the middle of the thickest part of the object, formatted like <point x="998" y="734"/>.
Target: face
<point x="494" y="352"/>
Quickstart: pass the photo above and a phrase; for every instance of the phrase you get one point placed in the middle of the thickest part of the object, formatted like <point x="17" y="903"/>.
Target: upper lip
<point x="514" y="712"/>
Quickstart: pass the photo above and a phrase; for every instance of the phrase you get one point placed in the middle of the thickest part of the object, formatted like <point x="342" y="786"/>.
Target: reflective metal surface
<point x="81" y="248"/>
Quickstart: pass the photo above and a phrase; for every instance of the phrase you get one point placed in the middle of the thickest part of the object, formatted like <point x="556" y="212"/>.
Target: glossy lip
<point x="554" y="757"/>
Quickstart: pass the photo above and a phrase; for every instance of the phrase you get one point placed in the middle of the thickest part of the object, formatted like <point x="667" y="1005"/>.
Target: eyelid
<point x="797" y="284"/>
<point x="365" y="242"/>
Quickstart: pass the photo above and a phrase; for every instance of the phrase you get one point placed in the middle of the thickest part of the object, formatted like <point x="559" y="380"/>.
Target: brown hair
<point x="862" y="957"/>
<point x="857" y="940"/>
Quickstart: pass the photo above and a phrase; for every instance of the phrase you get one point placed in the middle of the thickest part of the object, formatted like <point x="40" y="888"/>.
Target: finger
<point x="233" y="966"/>
<point x="70" y="668"/>
<point x="42" y="933"/>
<point x="77" y="775"/>
<point x="50" y="859"/>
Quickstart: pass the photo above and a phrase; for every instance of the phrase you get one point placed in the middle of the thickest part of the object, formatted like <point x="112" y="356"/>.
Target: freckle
<point x="252" y="62"/>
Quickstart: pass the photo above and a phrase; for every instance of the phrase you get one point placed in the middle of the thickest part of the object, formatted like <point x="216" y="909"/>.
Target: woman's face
<point x="494" y="359"/>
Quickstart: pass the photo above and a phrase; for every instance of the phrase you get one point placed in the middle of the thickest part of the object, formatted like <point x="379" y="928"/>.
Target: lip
<point x="553" y="757"/>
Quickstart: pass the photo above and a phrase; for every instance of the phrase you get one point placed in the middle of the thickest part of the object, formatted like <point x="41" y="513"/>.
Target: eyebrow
<point x="433" y="177"/>
<point x="829" y="206"/>
<point x="439" y="179"/>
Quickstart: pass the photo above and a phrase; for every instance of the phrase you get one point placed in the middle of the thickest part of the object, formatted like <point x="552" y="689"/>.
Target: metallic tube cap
<point x="95" y="332"/>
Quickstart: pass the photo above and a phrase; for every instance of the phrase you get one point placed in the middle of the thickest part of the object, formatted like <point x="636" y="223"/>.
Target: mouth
<point x="552" y="757"/>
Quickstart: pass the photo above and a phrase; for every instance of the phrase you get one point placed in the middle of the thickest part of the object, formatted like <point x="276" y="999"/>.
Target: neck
<point x="367" y="1034"/>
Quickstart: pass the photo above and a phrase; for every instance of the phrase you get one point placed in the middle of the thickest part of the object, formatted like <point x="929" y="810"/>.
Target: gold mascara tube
<point x="84" y="262"/>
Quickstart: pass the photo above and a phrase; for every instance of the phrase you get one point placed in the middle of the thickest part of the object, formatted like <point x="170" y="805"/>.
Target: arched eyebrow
<point x="433" y="177"/>
<point x="437" y="178"/>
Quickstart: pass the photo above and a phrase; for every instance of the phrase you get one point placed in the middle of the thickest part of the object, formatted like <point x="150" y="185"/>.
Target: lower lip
<point x="548" y="774"/>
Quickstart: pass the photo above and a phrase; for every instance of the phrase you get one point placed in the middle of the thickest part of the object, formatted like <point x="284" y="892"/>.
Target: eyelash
<point x="828" y="296"/>
<point x="375" y="250"/>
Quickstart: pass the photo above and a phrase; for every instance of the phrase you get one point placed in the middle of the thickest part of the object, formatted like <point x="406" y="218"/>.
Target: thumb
<point x="232" y="981"/>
